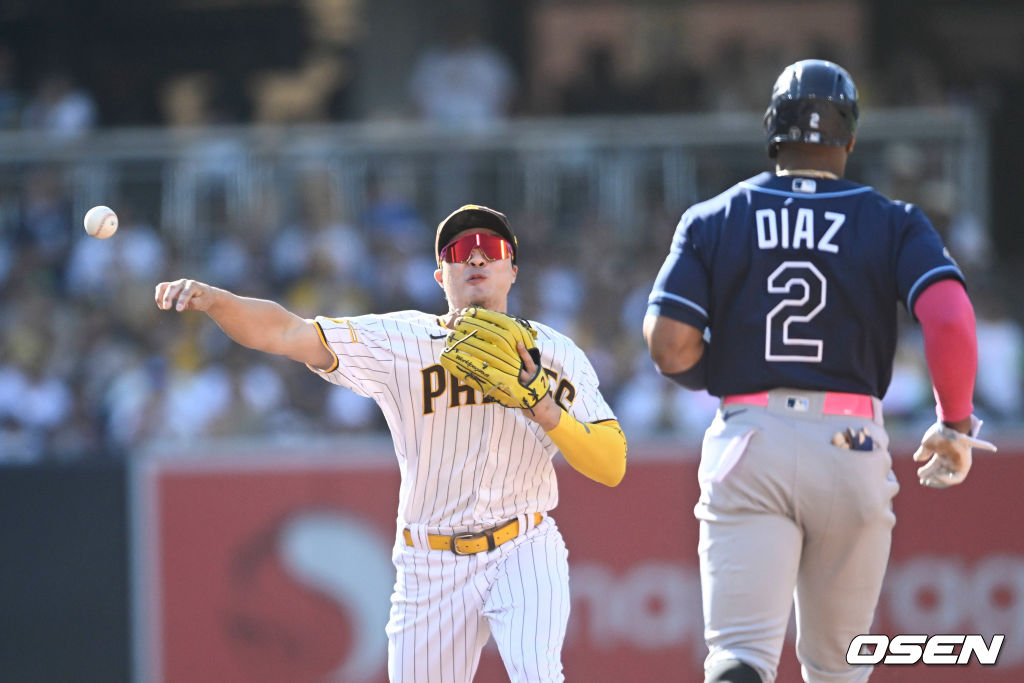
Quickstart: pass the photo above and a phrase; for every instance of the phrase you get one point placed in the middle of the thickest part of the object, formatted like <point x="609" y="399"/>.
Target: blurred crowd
<point x="90" y="368"/>
<point x="54" y="106"/>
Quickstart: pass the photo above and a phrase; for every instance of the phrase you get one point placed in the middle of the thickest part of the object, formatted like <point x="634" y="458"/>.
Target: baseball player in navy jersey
<point x="780" y="297"/>
<point x="476" y="553"/>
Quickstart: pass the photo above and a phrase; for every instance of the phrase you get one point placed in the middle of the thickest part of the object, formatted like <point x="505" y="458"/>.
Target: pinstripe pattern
<point x="466" y="465"/>
<point x="463" y="468"/>
<point x="446" y="606"/>
<point x="528" y="608"/>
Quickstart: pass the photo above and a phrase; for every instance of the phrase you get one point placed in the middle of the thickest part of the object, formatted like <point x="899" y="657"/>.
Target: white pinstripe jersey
<point x="467" y="463"/>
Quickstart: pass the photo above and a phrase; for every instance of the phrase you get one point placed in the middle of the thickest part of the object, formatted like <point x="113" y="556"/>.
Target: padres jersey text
<point x="466" y="462"/>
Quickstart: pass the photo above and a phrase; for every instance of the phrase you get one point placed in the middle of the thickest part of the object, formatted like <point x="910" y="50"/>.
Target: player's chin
<point x="483" y="295"/>
<point x="476" y="291"/>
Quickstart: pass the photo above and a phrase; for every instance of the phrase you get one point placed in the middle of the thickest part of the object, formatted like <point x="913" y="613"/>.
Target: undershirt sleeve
<point x="950" y="347"/>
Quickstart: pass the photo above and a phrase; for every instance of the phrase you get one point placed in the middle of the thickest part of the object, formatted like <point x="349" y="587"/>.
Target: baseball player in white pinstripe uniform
<point x="476" y="552"/>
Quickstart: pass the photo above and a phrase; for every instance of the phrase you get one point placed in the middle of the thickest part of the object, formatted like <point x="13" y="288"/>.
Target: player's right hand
<point x="947" y="454"/>
<point x="184" y="295"/>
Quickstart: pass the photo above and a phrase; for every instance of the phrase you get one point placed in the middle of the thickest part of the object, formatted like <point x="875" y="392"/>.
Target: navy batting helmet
<point x="813" y="101"/>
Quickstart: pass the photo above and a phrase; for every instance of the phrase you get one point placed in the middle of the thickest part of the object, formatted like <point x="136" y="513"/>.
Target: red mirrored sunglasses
<point x="494" y="248"/>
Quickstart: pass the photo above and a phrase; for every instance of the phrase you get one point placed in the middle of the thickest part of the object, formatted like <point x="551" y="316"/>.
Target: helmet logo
<point x="813" y="101"/>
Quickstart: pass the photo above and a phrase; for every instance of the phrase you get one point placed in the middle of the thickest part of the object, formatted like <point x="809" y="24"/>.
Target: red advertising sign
<point x="276" y="567"/>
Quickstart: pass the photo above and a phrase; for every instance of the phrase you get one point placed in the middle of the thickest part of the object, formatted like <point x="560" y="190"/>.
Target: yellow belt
<point x="477" y="541"/>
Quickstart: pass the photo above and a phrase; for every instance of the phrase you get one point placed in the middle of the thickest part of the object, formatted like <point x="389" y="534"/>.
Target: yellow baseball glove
<point x="482" y="352"/>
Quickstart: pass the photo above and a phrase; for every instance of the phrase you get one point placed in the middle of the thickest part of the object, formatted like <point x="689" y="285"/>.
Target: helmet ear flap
<point x="769" y="126"/>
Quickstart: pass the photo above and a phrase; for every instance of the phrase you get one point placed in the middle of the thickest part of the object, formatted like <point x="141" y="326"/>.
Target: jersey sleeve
<point x="681" y="290"/>
<point x="363" y="360"/>
<point x="922" y="258"/>
<point x="577" y="388"/>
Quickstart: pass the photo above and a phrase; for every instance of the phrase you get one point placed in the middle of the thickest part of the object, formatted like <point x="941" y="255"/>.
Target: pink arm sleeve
<point x="950" y="347"/>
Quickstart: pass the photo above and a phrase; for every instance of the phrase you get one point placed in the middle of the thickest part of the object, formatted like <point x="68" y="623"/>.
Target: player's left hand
<point x="947" y="454"/>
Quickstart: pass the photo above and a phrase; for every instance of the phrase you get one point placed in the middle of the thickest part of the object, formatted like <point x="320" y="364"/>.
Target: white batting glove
<point x="947" y="454"/>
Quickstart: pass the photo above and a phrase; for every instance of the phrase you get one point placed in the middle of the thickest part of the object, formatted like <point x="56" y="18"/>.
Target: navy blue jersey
<point x="797" y="280"/>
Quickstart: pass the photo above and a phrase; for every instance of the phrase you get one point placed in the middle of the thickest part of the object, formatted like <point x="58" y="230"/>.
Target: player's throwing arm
<point x="255" y="323"/>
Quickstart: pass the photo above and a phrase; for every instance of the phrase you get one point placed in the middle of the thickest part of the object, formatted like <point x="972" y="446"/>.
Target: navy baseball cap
<point x="472" y="216"/>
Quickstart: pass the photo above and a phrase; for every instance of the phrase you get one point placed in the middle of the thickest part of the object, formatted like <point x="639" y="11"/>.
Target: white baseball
<point x="100" y="222"/>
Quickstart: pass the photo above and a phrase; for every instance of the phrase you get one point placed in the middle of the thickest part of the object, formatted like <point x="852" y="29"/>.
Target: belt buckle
<point x="461" y="537"/>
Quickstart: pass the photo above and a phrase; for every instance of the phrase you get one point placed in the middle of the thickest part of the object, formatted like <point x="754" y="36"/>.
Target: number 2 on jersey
<point x="805" y="289"/>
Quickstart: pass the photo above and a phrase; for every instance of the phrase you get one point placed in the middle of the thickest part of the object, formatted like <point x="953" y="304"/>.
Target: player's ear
<point x="439" y="277"/>
<point x="515" y="271"/>
<point x="850" y="144"/>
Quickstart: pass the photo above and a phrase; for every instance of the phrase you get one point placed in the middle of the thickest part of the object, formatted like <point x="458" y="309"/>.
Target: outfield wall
<point x="272" y="563"/>
<point x="274" y="566"/>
